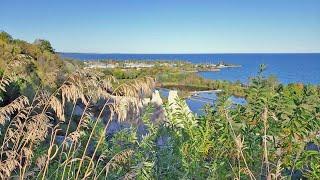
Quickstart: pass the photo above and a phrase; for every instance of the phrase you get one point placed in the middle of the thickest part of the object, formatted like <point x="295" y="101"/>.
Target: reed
<point x="28" y="125"/>
<point x="267" y="138"/>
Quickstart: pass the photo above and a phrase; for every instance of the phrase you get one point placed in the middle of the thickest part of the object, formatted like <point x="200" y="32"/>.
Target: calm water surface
<point x="197" y="102"/>
<point x="288" y="68"/>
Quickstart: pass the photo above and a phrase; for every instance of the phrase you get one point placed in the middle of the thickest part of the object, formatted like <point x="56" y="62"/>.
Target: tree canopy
<point x="44" y="45"/>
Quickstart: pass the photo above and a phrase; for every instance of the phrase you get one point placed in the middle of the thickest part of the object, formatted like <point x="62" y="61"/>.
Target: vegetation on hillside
<point x="181" y="77"/>
<point x="275" y="135"/>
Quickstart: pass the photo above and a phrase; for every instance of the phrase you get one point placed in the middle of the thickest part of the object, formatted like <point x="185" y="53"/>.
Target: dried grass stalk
<point x="13" y="107"/>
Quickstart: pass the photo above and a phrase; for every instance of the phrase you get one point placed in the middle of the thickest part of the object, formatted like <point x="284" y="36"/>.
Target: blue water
<point x="197" y="102"/>
<point x="288" y="68"/>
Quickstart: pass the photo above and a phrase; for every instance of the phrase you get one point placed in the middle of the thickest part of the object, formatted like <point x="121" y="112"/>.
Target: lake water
<point x="288" y="68"/>
<point x="196" y="102"/>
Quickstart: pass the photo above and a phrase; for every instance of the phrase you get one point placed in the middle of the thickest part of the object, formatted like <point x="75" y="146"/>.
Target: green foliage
<point x="190" y="81"/>
<point x="228" y="141"/>
<point x="44" y="45"/>
<point x="4" y="36"/>
<point x="31" y="65"/>
<point x="267" y="138"/>
<point x="309" y="164"/>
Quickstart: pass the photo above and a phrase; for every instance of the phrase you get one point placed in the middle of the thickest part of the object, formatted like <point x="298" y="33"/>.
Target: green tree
<point x="5" y="36"/>
<point x="44" y="45"/>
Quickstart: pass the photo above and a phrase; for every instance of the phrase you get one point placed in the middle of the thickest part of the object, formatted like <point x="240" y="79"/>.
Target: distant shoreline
<point x="188" y="53"/>
<point x="288" y="67"/>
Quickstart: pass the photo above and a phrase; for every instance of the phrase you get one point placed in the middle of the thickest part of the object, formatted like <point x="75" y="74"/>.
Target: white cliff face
<point x="145" y="101"/>
<point x="156" y="99"/>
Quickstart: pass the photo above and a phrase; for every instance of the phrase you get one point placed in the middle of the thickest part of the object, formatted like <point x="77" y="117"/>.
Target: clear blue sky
<point x="166" y="26"/>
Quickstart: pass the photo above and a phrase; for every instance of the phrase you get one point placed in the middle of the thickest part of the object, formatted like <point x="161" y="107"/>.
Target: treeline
<point x="190" y="81"/>
<point x="31" y="65"/>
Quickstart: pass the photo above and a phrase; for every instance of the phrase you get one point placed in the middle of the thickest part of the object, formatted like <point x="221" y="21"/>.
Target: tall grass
<point x="267" y="138"/>
<point x="28" y="126"/>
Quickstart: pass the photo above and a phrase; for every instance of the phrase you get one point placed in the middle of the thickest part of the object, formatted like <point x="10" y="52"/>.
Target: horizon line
<point x="195" y="53"/>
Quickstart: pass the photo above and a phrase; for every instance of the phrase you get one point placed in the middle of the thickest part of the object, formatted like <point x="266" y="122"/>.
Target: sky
<point x="166" y="26"/>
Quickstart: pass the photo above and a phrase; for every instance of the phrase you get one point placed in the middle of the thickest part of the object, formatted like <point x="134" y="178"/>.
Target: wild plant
<point x="275" y="135"/>
<point x="27" y="126"/>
